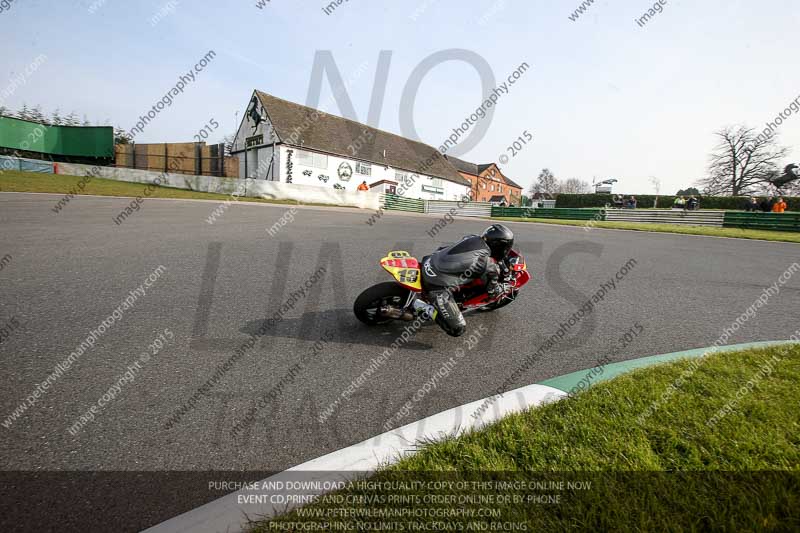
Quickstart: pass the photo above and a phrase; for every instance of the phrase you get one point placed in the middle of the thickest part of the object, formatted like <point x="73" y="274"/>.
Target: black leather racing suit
<point x="450" y="267"/>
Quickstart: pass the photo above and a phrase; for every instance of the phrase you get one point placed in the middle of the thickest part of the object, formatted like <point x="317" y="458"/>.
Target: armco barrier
<point x="557" y="213"/>
<point x="766" y="221"/>
<point x="667" y="216"/>
<point x="250" y="188"/>
<point x="466" y="209"/>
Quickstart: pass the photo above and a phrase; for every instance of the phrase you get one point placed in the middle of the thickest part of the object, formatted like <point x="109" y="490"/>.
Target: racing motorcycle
<point x="404" y="298"/>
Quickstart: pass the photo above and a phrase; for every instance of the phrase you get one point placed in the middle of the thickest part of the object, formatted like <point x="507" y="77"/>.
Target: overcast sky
<point x="603" y="98"/>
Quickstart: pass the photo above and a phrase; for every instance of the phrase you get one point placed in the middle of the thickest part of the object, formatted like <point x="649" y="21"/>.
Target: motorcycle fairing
<point x="404" y="269"/>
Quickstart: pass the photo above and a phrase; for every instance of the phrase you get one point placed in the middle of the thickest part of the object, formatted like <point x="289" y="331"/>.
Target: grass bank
<point x="736" y="233"/>
<point x="15" y="181"/>
<point x="721" y="452"/>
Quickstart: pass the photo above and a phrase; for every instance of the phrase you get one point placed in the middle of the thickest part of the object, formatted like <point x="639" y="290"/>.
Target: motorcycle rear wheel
<point x="367" y="305"/>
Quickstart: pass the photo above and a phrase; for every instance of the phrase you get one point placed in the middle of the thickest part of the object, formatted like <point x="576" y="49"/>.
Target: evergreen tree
<point x="72" y="119"/>
<point x="56" y="119"/>
<point x="86" y="121"/>
<point x="4" y="111"/>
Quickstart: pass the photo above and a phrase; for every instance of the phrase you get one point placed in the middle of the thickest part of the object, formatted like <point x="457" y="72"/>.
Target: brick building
<point x="488" y="183"/>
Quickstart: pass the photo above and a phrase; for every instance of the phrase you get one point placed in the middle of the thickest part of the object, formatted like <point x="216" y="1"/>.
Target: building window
<point x="436" y="182"/>
<point x="312" y="159"/>
<point x="405" y="178"/>
<point x="364" y="169"/>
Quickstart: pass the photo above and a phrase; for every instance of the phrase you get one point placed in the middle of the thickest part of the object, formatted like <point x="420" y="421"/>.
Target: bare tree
<point x="37" y="115"/>
<point x="574" y="186"/>
<point x="793" y="189"/>
<point x="24" y="113"/>
<point x="72" y="119"/>
<point x="657" y="186"/>
<point x="228" y="142"/>
<point x="741" y="162"/>
<point x="546" y="182"/>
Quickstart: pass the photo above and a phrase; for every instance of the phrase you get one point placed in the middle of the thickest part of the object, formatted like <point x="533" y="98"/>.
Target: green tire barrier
<point x="764" y="221"/>
<point x="398" y="203"/>
<point x="566" y="214"/>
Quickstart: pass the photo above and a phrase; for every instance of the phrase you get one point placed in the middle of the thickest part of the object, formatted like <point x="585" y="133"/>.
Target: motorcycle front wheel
<point x="504" y="302"/>
<point x="368" y="304"/>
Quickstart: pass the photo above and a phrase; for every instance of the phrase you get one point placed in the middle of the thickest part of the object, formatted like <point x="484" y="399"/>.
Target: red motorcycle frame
<point x="404" y="299"/>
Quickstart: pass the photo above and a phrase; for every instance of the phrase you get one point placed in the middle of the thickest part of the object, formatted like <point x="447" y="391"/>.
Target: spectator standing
<point x="766" y="205"/>
<point x="631" y="202"/>
<point x="692" y="203"/>
<point x="779" y="206"/>
<point x="363" y="186"/>
<point x="679" y="203"/>
<point x="751" y="205"/>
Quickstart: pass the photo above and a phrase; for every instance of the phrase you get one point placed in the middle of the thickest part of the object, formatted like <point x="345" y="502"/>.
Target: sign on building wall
<point x="255" y="140"/>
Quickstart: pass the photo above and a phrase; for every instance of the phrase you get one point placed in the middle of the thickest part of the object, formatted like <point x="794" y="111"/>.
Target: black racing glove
<point x="493" y="287"/>
<point x="495" y="290"/>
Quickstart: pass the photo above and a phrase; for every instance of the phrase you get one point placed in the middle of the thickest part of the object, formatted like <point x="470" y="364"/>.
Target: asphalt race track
<point x="70" y="270"/>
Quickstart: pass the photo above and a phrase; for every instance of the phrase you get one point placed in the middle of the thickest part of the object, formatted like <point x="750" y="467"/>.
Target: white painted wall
<point x="308" y="175"/>
<point x="250" y="188"/>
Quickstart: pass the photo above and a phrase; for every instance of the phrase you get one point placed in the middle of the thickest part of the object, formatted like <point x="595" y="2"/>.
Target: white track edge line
<point x="227" y="515"/>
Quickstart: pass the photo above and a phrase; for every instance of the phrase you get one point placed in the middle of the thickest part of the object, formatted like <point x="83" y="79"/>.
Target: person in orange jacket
<point x="779" y="206"/>
<point x="363" y="186"/>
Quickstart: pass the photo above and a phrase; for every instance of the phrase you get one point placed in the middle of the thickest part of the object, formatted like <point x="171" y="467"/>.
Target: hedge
<point x="646" y="200"/>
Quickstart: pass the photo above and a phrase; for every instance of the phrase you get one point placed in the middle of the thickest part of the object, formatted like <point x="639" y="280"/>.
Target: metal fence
<point x="464" y="209"/>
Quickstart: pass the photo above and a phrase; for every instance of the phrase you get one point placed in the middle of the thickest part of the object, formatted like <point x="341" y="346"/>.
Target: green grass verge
<point x="669" y="471"/>
<point x="736" y="233"/>
<point x="15" y="181"/>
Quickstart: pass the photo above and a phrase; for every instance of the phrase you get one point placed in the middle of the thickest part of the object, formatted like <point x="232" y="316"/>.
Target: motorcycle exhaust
<point x="397" y="314"/>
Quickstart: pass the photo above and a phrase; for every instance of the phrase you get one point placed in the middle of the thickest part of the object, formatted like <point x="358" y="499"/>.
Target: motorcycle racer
<point x="475" y="257"/>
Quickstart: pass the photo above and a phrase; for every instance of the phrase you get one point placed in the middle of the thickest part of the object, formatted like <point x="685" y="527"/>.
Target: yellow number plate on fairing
<point x="404" y="269"/>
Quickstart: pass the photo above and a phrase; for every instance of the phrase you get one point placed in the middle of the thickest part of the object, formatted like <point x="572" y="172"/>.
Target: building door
<point x="252" y="164"/>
